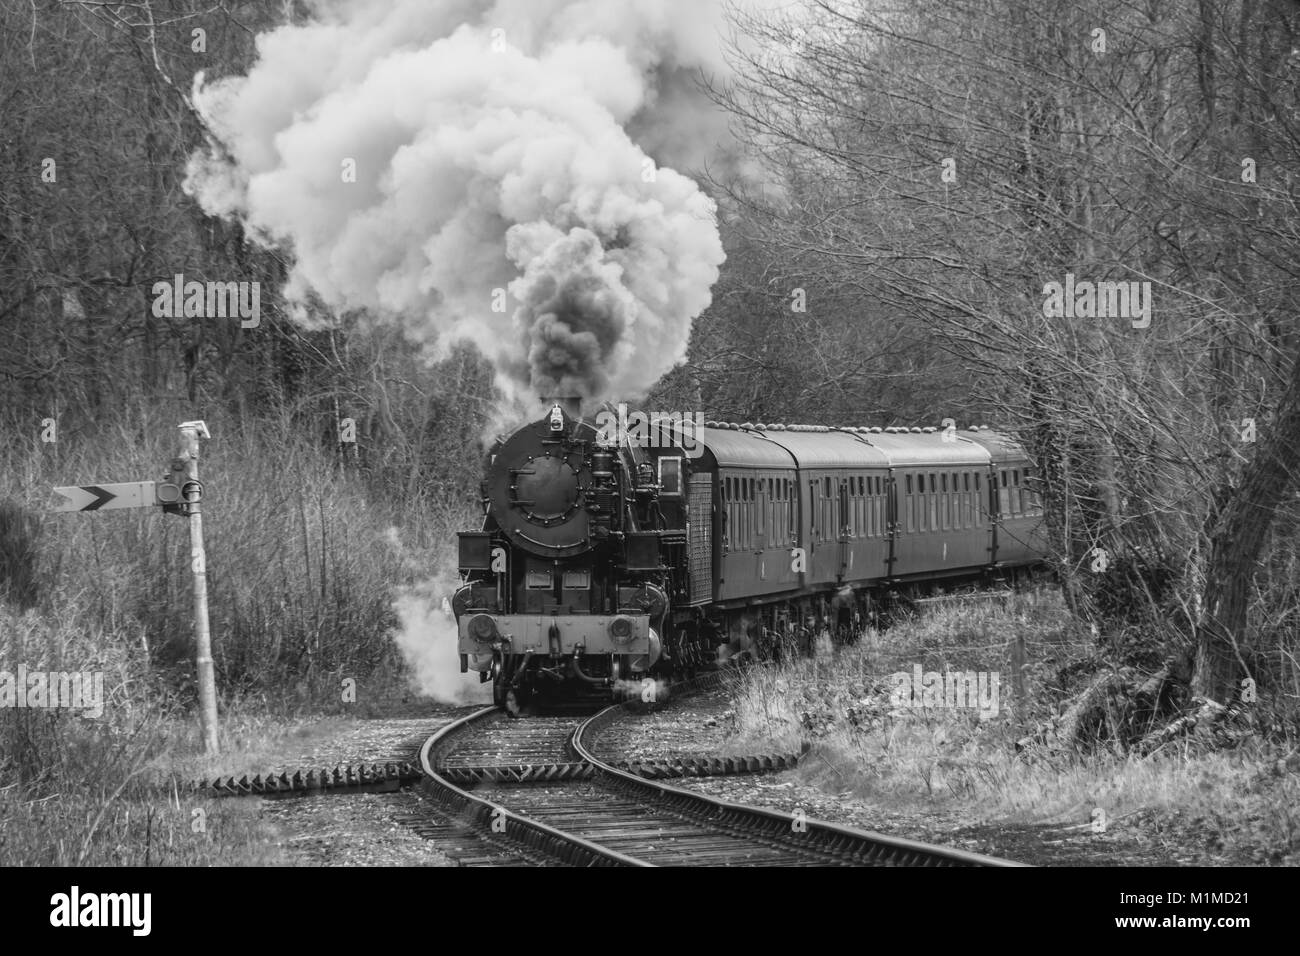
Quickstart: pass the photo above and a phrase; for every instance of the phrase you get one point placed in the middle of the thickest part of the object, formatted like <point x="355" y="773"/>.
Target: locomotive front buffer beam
<point x="482" y="635"/>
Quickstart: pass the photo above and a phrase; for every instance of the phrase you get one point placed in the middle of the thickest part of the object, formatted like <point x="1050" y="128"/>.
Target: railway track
<point x="536" y="790"/>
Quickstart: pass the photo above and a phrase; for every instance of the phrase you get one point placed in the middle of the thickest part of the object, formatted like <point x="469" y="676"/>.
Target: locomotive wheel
<point x="498" y="685"/>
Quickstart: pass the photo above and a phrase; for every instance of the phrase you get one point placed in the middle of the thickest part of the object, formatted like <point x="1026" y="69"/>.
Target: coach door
<point x="843" y="522"/>
<point x="892" y="519"/>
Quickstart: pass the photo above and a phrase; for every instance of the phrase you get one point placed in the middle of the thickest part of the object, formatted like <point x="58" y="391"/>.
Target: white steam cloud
<point x="496" y="170"/>
<point x="427" y="640"/>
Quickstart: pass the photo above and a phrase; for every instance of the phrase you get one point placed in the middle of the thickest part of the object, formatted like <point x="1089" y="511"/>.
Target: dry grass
<point x="303" y="559"/>
<point x="839" y="702"/>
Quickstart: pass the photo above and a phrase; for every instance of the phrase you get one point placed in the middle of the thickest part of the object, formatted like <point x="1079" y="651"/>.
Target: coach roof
<point x="906" y="449"/>
<point x="743" y="449"/>
<point x="829" y="449"/>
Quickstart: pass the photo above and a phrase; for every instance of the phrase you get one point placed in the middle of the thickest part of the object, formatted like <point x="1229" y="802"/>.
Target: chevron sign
<point x="106" y="497"/>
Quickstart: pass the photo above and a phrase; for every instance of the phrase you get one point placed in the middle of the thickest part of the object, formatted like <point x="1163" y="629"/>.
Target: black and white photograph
<point x="515" y="434"/>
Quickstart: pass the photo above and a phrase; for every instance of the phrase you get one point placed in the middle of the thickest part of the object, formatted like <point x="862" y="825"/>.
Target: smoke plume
<point x="497" y="170"/>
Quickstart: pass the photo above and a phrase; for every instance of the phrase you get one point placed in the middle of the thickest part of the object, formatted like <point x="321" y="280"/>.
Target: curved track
<point x="537" y="788"/>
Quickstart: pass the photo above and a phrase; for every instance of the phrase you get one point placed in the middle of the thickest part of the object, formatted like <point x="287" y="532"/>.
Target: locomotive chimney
<point x="571" y="404"/>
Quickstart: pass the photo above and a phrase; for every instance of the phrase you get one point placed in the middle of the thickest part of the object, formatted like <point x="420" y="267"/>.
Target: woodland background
<point x="930" y="166"/>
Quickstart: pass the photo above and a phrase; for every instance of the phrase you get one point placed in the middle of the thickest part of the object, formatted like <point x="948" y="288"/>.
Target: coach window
<point x="787" y="510"/>
<point x="952" y="517"/>
<point x="791" y="516"/>
<point x="868" y="511"/>
<point x="735" y="530"/>
<point x="870" y="504"/>
<point x="774" y="516"/>
<point x="923" y="486"/>
<point x="907" y="503"/>
<point x="935" y="502"/>
<point x="670" y="477"/>
<point x="778" y="512"/>
<point x="864" y="506"/>
<point x="812" y="507"/>
<point x="919" y="502"/>
<point x="829" y="528"/>
<point x="754" y="514"/>
<point x="864" y="509"/>
<point x="770" y="510"/>
<point x="846" y="522"/>
<point x="967" y="516"/>
<point x="747" y="508"/>
<point x="751" y="514"/>
<point x="770" y="505"/>
<point x="882" y="506"/>
<point x="731" y="509"/>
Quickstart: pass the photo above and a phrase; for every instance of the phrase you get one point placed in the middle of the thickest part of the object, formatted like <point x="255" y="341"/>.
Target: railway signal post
<point x="192" y="492"/>
<point x="180" y="493"/>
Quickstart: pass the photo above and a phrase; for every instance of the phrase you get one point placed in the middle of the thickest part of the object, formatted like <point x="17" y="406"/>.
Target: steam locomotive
<point x="612" y="555"/>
